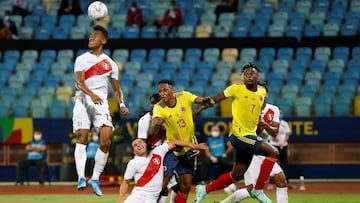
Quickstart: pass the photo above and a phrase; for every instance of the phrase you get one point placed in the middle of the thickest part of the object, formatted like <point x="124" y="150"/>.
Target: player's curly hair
<point x="166" y="81"/>
<point x="250" y="65"/>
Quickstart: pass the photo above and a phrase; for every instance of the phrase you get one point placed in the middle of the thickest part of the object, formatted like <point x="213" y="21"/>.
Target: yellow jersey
<point x="179" y="123"/>
<point x="246" y="108"/>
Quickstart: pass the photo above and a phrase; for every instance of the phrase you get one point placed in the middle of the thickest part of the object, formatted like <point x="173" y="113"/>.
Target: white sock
<point x="100" y="162"/>
<point x="237" y="196"/>
<point x="162" y="199"/>
<point x="172" y="196"/>
<point x="80" y="159"/>
<point x="281" y="195"/>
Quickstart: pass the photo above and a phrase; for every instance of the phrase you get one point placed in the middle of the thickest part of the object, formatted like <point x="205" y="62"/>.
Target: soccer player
<point x="147" y="170"/>
<point x="144" y="124"/>
<point x="247" y="102"/>
<point x="93" y="70"/>
<point x="174" y="112"/>
<point x="268" y="127"/>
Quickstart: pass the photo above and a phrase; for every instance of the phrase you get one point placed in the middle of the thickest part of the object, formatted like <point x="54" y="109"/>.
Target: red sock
<point x="264" y="174"/>
<point x="180" y="197"/>
<point x="220" y="183"/>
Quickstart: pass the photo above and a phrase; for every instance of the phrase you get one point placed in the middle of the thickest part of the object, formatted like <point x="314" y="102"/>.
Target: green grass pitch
<point x="89" y="198"/>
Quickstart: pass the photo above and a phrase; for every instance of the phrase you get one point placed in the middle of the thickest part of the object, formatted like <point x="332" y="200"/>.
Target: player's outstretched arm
<point x="156" y="124"/>
<point x="174" y="143"/>
<point x="80" y="84"/>
<point x="119" y="96"/>
<point x="124" y="187"/>
<point x="207" y="102"/>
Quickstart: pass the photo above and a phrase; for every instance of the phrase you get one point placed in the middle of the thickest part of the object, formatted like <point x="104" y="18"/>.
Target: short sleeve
<point x="229" y="91"/>
<point x="191" y="97"/>
<point x="115" y="71"/>
<point x="130" y="170"/>
<point x="157" y="111"/>
<point x="79" y="64"/>
<point x="276" y="114"/>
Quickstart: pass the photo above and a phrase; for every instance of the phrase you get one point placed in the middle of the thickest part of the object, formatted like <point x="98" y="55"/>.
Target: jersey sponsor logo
<point x="99" y="68"/>
<point x="152" y="168"/>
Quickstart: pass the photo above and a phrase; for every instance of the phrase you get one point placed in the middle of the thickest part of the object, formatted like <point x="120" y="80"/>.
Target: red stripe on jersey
<point x="152" y="168"/>
<point x="99" y="68"/>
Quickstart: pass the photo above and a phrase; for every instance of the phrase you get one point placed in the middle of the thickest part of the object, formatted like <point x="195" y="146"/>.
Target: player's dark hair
<point x="155" y="98"/>
<point x="102" y="30"/>
<point x="166" y="81"/>
<point x="250" y="65"/>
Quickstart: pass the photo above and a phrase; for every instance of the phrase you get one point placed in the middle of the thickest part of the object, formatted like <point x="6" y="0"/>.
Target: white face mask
<point x="6" y="18"/>
<point x="37" y="137"/>
<point x="95" y="138"/>
<point x="215" y="134"/>
<point x="133" y="9"/>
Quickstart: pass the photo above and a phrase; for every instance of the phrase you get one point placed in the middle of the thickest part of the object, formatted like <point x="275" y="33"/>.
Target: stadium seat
<point x="318" y="65"/>
<point x="285" y="53"/>
<point x="4" y="109"/>
<point x="330" y="29"/>
<point x="149" y="32"/>
<point x="230" y="54"/>
<point x="240" y="30"/>
<point x="317" y="18"/>
<point x="336" y="65"/>
<point x="303" y="106"/>
<point x="322" y="106"/>
<point x="211" y="55"/>
<point x="341" y="106"/>
<point x="341" y="52"/>
<point x="308" y="91"/>
<point x="322" y="53"/>
<point x="286" y="105"/>
<point x="351" y="78"/>
<point x="185" y="31"/>
<point x="332" y="78"/>
<point x="280" y="65"/>
<point x="203" y="31"/>
<point x="131" y="32"/>
<point x="57" y="109"/>
<point x="313" y="77"/>
<point x="289" y="91"/>
<point x="304" y="54"/>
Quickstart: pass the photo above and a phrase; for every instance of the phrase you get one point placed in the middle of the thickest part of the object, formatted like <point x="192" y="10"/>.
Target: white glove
<point x="214" y="159"/>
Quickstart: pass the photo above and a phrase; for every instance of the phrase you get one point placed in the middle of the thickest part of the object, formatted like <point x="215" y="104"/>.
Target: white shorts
<point x="86" y="112"/>
<point x="252" y="173"/>
<point x="140" y="197"/>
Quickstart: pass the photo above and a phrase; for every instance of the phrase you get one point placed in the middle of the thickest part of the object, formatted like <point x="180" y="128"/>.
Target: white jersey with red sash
<point x="148" y="172"/>
<point x="98" y="70"/>
<point x="270" y="114"/>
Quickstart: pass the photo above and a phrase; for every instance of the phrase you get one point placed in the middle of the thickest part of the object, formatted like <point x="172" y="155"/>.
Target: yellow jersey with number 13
<point x="179" y="123"/>
<point x="246" y="108"/>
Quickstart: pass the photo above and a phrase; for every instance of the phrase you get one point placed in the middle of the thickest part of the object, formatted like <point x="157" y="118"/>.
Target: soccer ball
<point x="97" y="10"/>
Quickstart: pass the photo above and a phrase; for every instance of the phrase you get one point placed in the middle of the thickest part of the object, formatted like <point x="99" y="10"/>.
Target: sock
<point x="100" y="162"/>
<point x="162" y="199"/>
<point x="237" y="196"/>
<point x="172" y="196"/>
<point x="281" y="195"/>
<point x="180" y="197"/>
<point x="220" y="183"/>
<point x="80" y="159"/>
<point x="264" y="174"/>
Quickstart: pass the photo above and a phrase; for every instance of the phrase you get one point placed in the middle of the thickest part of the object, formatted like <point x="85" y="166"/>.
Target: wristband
<point x="122" y="105"/>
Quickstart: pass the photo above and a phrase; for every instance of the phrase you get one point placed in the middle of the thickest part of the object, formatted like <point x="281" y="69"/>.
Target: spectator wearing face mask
<point x="91" y="149"/>
<point x="134" y="15"/>
<point x="172" y="17"/>
<point x="217" y="154"/>
<point x="36" y="156"/>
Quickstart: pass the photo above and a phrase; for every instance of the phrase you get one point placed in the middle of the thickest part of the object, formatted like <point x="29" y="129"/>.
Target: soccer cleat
<point x="95" y="184"/>
<point x="81" y="184"/>
<point x="200" y="193"/>
<point x="260" y="195"/>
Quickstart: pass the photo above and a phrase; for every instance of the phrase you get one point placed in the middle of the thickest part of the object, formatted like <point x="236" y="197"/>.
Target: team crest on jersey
<point x="156" y="161"/>
<point x="182" y="109"/>
<point x="261" y="98"/>
<point x="270" y="117"/>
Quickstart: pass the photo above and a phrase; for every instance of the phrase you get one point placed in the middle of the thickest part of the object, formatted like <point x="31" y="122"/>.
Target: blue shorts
<point x="181" y="164"/>
<point x="245" y="147"/>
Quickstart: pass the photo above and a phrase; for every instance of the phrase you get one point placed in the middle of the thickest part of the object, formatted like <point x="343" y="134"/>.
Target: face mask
<point x="6" y="18"/>
<point x="95" y="138"/>
<point x="37" y="137"/>
<point x="215" y="134"/>
<point x="133" y="9"/>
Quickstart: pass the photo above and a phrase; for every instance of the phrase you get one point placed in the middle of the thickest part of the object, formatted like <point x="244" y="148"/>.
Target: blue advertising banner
<point x="340" y="129"/>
